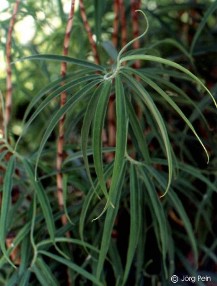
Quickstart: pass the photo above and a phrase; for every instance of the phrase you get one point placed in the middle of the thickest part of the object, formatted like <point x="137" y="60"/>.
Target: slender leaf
<point x="70" y="104"/>
<point x="58" y="58"/>
<point x="138" y="132"/>
<point x="46" y="274"/>
<point x="72" y="266"/>
<point x="111" y="213"/>
<point x="146" y="98"/>
<point x="5" y="206"/>
<point x="49" y="98"/>
<point x="174" y="106"/>
<point x="98" y="123"/>
<point x="207" y="14"/>
<point x="169" y="63"/>
<point x="158" y="213"/>
<point x="118" y="172"/>
<point x="88" y="117"/>
<point x="43" y="200"/>
<point x="135" y="220"/>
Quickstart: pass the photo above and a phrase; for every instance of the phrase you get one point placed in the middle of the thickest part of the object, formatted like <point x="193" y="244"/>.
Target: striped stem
<point x="135" y="5"/>
<point x="8" y="101"/>
<point x="111" y="106"/>
<point x="63" y="98"/>
<point x="89" y="32"/>
<point x="123" y="23"/>
<point x="115" y="24"/>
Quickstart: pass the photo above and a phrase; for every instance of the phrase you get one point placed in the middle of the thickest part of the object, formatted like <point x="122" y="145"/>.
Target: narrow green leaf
<point x="174" y="106"/>
<point x="141" y="249"/>
<point x="169" y="63"/>
<point x="88" y="117"/>
<point x="13" y="280"/>
<point x="99" y="7"/>
<point x="66" y="87"/>
<point x="139" y="134"/>
<point x="42" y="198"/>
<point x="177" y="204"/>
<point x="110" y="49"/>
<point x="69" y="105"/>
<point x="73" y="266"/>
<point x="50" y="88"/>
<point x="5" y="206"/>
<point x="48" y="242"/>
<point x="158" y="213"/>
<point x="89" y="152"/>
<point x="18" y="239"/>
<point x="65" y="191"/>
<point x="24" y="281"/>
<point x="58" y="58"/>
<point x="40" y="276"/>
<point x="98" y="123"/>
<point x="88" y="200"/>
<point x="46" y="272"/>
<point x="111" y="213"/>
<point x="115" y="261"/>
<point x="202" y="24"/>
<point x="118" y="172"/>
<point x="197" y="174"/>
<point x="146" y="98"/>
<point x="135" y="39"/>
<point x="197" y="108"/>
<point x="25" y="254"/>
<point x="135" y="220"/>
<point x="32" y="237"/>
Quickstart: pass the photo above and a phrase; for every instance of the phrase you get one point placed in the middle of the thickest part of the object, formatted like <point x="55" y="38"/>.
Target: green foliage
<point x="152" y="175"/>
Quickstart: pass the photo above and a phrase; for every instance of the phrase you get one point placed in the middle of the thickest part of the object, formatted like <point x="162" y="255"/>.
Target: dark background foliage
<point x="149" y="238"/>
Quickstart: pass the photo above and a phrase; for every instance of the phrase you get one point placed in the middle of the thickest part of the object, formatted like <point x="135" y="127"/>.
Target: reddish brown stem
<point x="89" y="32"/>
<point x="115" y="24"/>
<point x="63" y="98"/>
<point x="123" y="23"/>
<point x="119" y="9"/>
<point x="8" y="101"/>
<point x="135" y="5"/>
<point x="110" y="140"/>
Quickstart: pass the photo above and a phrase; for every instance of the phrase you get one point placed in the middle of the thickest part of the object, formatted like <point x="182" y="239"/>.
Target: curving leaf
<point x="88" y="118"/>
<point x="118" y="172"/>
<point x="135" y="220"/>
<point x="58" y="58"/>
<point x="98" y="123"/>
<point x="72" y="266"/>
<point x="207" y="14"/>
<point x="5" y="206"/>
<point x="168" y="99"/>
<point x="70" y="104"/>
<point x="169" y="63"/>
<point x="146" y="98"/>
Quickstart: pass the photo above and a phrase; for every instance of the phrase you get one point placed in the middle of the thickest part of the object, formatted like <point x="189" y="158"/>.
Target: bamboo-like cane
<point x="119" y="9"/>
<point x="89" y="32"/>
<point x="123" y="23"/>
<point x="110" y="140"/>
<point x="8" y="99"/>
<point x="135" y="5"/>
<point x="115" y="24"/>
<point x="7" y="114"/>
<point x="63" y="98"/>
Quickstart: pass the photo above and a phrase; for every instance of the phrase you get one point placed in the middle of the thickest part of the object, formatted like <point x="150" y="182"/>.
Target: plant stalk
<point x="63" y="98"/>
<point x="8" y="101"/>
